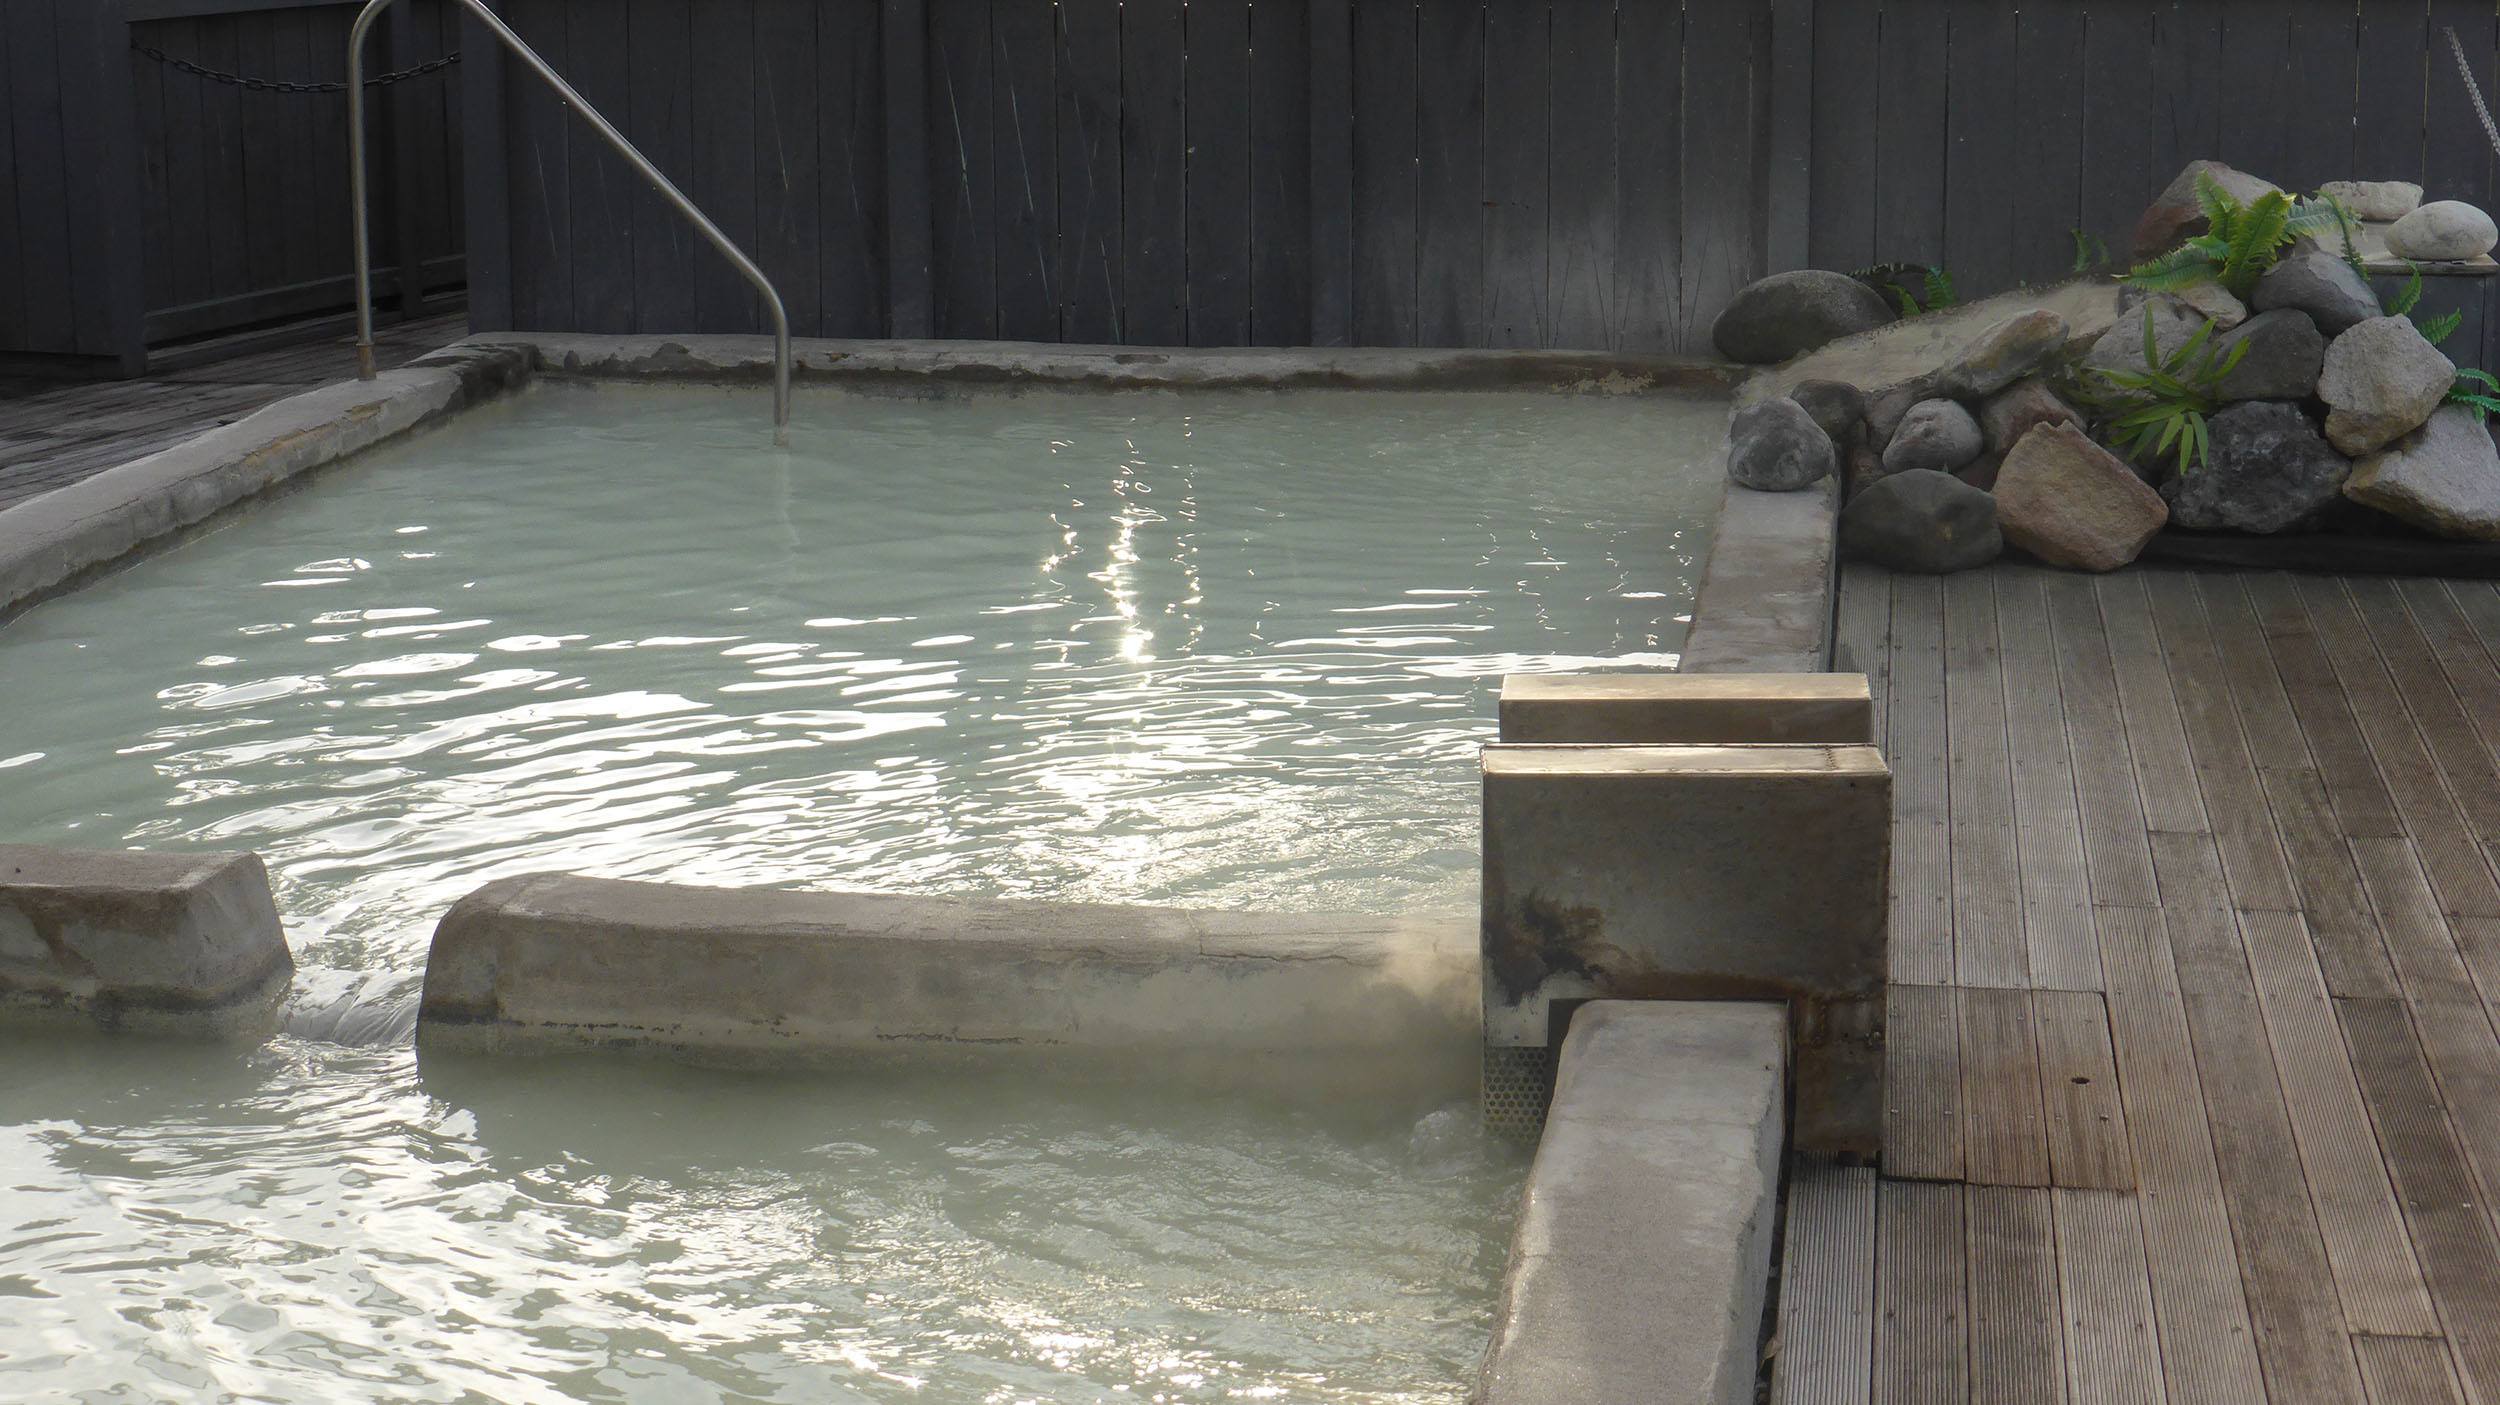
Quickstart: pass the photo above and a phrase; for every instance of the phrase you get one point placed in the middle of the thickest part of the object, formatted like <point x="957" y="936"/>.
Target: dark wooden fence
<point x="1287" y="171"/>
<point x="142" y="203"/>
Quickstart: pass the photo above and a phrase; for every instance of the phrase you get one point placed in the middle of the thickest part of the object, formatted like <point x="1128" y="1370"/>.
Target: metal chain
<point x="2466" y="71"/>
<point x="280" y="85"/>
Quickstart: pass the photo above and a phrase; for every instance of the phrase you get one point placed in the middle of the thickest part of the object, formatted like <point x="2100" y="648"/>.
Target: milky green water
<point x="1213" y="649"/>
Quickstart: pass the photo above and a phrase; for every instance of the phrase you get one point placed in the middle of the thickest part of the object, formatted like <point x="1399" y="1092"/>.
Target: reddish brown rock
<point x="2071" y="502"/>
<point x="2008" y="415"/>
<point x="2174" y="216"/>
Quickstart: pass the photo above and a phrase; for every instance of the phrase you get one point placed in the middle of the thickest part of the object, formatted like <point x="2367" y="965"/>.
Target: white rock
<point x="2443" y="230"/>
<point x="2375" y="200"/>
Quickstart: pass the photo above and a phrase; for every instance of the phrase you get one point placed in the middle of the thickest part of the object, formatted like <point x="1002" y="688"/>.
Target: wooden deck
<point x="2195" y="1095"/>
<point x="53" y="433"/>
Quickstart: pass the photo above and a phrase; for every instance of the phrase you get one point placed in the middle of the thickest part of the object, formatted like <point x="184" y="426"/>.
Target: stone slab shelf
<point x="1653" y="707"/>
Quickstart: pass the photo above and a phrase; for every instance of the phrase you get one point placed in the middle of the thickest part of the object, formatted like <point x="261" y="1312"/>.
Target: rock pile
<point x="2334" y="416"/>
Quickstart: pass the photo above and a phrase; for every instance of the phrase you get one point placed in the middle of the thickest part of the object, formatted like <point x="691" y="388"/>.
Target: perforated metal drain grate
<point x="1518" y="1084"/>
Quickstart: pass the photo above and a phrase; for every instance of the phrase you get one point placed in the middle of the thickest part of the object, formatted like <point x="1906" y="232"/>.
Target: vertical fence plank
<point x="1722" y="194"/>
<point x="2048" y="145"/>
<point x="851" y="249"/>
<point x="2126" y="44"/>
<point x="1847" y="60"/>
<point x="1154" y="179"/>
<point x="1789" y="192"/>
<point x="1909" y="163"/>
<point x="1586" y="197"/>
<point x="1218" y="34"/>
<point x="486" y="177"/>
<point x="1649" y="166"/>
<point x="228" y="227"/>
<point x="2387" y="91"/>
<point x="2185" y="99"/>
<point x="599" y="64"/>
<point x="1386" y="221"/>
<point x="1089" y="171"/>
<point x="1517" y="167"/>
<point x="1280" y="173"/>
<point x="904" y="29"/>
<point x="540" y="192"/>
<point x="1449" y="173"/>
<point x="1025" y="151"/>
<point x="2256" y="58"/>
<point x="99" y="113"/>
<point x="962" y="195"/>
<point x="2322" y="49"/>
<point x="787" y="169"/>
<point x="265" y="115"/>
<point x="724" y="67"/>
<point x="657" y="115"/>
<point x="1982" y="244"/>
<point x="1332" y="172"/>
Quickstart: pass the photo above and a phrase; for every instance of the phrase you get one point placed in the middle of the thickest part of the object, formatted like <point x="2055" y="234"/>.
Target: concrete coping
<point x="159" y="942"/>
<point x="1642" y="1258"/>
<point x="1652" y="762"/>
<point x="1655" y="707"/>
<point x="1294" y="1004"/>
<point x="1764" y="604"/>
<point x="743" y="359"/>
<point x="58" y="539"/>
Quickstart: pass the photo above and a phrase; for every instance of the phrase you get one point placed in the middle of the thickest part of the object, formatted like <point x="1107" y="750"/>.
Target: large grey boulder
<point x="2316" y="280"/>
<point x="1921" y="520"/>
<point x="2380" y="381"/>
<point x="2175" y="215"/>
<point x="2000" y="356"/>
<point x="2443" y="478"/>
<point x="1788" y="314"/>
<point x="2266" y="469"/>
<point x="1837" y="406"/>
<point x="1935" y="434"/>
<point x="2285" y="353"/>
<point x="1776" y="447"/>
<point x="2441" y="231"/>
<point x="2121" y="348"/>
<point x="2071" y="502"/>
<point x="2375" y="200"/>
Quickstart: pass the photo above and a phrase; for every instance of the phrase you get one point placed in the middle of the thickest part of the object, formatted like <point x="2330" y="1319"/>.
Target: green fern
<point x="2478" y="391"/>
<point x="2442" y="327"/>
<point x="2090" y="252"/>
<point x="2410" y="295"/>
<point x="1915" y="287"/>
<point x="2161" y="409"/>
<point x="1940" y="292"/>
<point x="2242" y="240"/>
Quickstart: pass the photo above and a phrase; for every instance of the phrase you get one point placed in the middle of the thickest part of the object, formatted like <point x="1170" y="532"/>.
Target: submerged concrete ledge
<point x="166" y="943"/>
<point x="744" y="359"/>
<point x="54" y="540"/>
<point x="1643" y="1253"/>
<point x="758" y="976"/>
<point x="1696" y="709"/>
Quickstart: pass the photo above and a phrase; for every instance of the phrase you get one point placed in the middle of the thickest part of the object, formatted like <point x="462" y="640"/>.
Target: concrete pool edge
<point x="731" y="358"/>
<point x="60" y="539"/>
<point x="1640" y="1266"/>
<point x="1298" y="1003"/>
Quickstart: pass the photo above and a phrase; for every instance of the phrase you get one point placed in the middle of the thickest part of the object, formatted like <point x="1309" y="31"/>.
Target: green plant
<point x="2241" y="241"/>
<point x="2409" y="297"/>
<point x="2161" y="409"/>
<point x="2090" y="252"/>
<point x="1915" y="287"/>
<point x="2478" y="391"/>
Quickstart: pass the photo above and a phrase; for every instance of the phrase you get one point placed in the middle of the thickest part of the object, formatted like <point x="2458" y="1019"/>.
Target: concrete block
<point x="1707" y="709"/>
<point x="175" y="943"/>
<point x="1643" y="1253"/>
<point x="755" y="976"/>
<point x="1698" y="873"/>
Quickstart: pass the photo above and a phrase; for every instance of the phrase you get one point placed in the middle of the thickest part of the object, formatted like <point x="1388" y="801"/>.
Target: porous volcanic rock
<point x="2266" y="469"/>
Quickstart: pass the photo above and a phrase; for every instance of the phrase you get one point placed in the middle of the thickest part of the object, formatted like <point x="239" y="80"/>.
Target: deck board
<point x="53" y="434"/>
<point x="2225" y="1124"/>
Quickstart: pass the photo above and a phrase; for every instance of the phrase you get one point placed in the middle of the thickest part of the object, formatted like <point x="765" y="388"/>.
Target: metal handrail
<point x="668" y="190"/>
